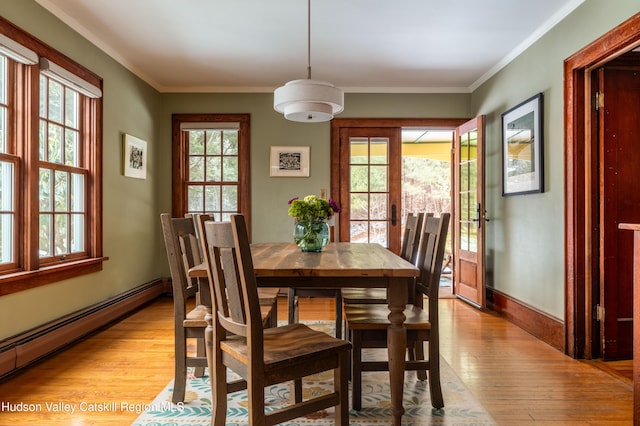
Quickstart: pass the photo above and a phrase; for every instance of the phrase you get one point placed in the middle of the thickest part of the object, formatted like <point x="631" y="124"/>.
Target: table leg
<point x="397" y="292"/>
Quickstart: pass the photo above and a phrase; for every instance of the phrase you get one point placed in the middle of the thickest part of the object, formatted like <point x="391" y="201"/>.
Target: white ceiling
<point x="380" y="46"/>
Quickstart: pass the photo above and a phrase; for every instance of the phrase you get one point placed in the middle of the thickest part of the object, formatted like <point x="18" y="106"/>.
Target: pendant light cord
<point x="309" y="39"/>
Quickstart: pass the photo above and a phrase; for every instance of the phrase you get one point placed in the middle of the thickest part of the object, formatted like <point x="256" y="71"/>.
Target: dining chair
<point x="268" y="296"/>
<point x="183" y="253"/>
<point x="237" y="341"/>
<point x="408" y="251"/>
<point x="367" y="323"/>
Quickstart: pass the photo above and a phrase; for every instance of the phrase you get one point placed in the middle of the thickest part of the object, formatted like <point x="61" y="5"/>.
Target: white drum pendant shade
<point x="308" y="101"/>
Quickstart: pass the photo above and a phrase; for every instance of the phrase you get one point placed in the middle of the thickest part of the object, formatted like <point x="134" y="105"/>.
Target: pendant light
<point x="307" y="100"/>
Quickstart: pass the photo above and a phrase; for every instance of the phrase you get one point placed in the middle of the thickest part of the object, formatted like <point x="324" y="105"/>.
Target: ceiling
<point x="371" y="46"/>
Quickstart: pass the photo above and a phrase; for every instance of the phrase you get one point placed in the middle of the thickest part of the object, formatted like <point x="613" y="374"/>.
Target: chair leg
<point x="292" y="306"/>
<point x="297" y="390"/>
<point x="200" y="353"/>
<point x="341" y="383"/>
<point x="418" y="351"/>
<point x="217" y="378"/>
<point x="180" y="366"/>
<point x="338" y="314"/>
<point x="356" y="370"/>
<point x="437" y="401"/>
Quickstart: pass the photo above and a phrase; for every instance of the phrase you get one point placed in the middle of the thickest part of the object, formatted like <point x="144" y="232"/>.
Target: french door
<point x="370" y="186"/>
<point x="469" y="212"/>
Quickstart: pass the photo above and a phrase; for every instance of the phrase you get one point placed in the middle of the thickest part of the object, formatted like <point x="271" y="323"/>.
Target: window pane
<point x="3" y="80"/>
<point x="214" y="169"/>
<point x="61" y="232"/>
<point x="6" y="186"/>
<point x="378" y="233"/>
<point x="6" y="238"/>
<point x="77" y="233"/>
<point x="379" y="151"/>
<point x="43" y="96"/>
<point x="71" y="109"/>
<point x="214" y="138"/>
<point x="55" y="143"/>
<point x="359" y="178"/>
<point x="55" y="101"/>
<point x="230" y="198"/>
<point x="196" y="169"/>
<point x="61" y="191"/>
<point x="359" y="232"/>
<point x="359" y="206"/>
<point x="378" y="179"/>
<point x="230" y="169"/>
<point x="71" y="148"/>
<point x="212" y="199"/>
<point x="379" y="206"/>
<point x="230" y="142"/>
<point x="3" y="129"/>
<point x="7" y="182"/>
<point x="196" y="142"/>
<point x="45" y="235"/>
<point x="42" y="152"/>
<point x="45" y="190"/>
<point x="359" y="150"/>
<point x="195" y="198"/>
<point x="77" y="193"/>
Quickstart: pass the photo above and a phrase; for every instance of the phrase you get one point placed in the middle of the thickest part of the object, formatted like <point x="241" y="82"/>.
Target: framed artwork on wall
<point x="289" y="161"/>
<point x="134" y="159"/>
<point x="522" y="148"/>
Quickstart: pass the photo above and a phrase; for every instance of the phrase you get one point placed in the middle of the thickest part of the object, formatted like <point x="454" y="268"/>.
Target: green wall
<point x="525" y="238"/>
<point x="132" y="239"/>
<point x="525" y="235"/>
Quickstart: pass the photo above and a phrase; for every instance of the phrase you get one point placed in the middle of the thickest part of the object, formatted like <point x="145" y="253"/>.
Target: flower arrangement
<point x="312" y="208"/>
<point x="311" y="232"/>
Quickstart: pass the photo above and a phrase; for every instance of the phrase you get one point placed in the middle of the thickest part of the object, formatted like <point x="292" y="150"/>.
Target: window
<point x="211" y="152"/>
<point x="50" y="164"/>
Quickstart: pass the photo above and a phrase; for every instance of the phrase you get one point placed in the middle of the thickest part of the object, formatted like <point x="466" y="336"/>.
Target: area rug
<point x="461" y="408"/>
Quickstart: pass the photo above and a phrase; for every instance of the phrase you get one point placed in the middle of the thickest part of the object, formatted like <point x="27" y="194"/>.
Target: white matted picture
<point x="134" y="157"/>
<point x="289" y="161"/>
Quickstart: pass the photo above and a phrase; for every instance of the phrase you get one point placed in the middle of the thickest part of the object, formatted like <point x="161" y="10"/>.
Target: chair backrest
<point x="406" y="247"/>
<point x="430" y="254"/>
<point x="232" y="280"/>
<point x="411" y="236"/>
<point x="182" y="254"/>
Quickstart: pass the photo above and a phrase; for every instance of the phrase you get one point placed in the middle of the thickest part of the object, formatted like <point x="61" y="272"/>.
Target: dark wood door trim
<point x="578" y="200"/>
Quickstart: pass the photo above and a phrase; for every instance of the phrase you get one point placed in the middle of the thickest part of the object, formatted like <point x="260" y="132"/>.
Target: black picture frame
<point x="522" y="148"/>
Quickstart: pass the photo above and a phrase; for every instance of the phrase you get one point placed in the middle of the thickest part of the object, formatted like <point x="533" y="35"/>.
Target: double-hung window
<point x="211" y="164"/>
<point x="50" y="164"/>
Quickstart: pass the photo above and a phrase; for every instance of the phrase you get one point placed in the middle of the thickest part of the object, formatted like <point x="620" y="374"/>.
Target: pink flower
<point x="293" y="199"/>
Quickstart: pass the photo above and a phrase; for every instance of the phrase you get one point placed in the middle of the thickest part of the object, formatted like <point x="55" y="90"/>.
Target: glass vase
<point x="311" y="236"/>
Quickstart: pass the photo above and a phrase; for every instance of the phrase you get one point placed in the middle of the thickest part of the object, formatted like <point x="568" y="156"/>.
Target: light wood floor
<point x="518" y="379"/>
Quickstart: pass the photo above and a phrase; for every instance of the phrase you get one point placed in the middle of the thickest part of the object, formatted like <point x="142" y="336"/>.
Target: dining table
<point x="347" y="265"/>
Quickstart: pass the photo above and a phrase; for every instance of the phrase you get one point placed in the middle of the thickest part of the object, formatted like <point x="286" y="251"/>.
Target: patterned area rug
<point x="461" y="408"/>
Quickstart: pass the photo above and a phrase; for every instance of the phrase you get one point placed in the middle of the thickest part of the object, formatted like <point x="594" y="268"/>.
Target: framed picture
<point x="289" y="161"/>
<point x="522" y="148"/>
<point x="134" y="161"/>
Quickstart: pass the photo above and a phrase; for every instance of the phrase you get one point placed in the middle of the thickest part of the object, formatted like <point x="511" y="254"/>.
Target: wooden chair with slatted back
<point x="408" y="251"/>
<point x="236" y="339"/>
<point x="183" y="253"/>
<point x="367" y="323"/>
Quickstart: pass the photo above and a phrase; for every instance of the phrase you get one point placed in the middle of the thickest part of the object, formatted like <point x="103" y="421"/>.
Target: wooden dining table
<point x="344" y="265"/>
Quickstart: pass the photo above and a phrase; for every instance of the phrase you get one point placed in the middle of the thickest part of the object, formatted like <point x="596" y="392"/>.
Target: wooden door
<point x="469" y="213"/>
<point x="619" y="202"/>
<point x="370" y="169"/>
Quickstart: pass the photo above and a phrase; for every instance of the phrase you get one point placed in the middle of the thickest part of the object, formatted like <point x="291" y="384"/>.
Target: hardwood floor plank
<point x="517" y="378"/>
